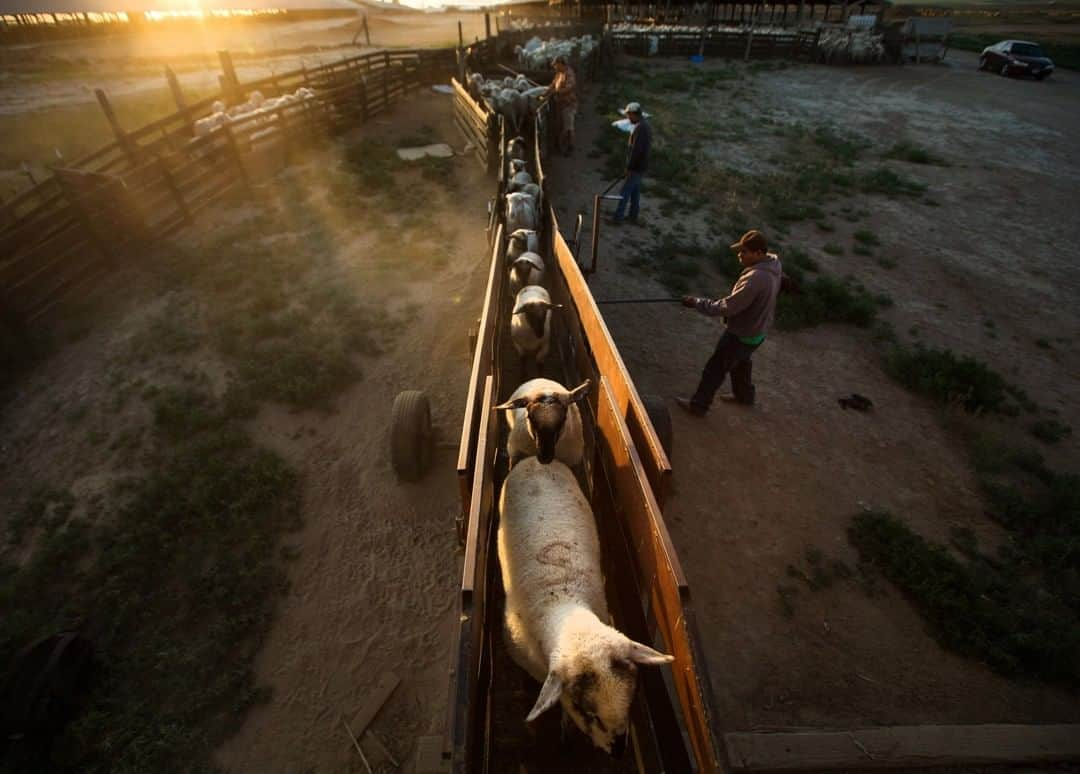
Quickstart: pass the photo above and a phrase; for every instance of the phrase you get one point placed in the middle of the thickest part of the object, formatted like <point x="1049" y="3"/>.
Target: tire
<point x="1004" y="70"/>
<point x="1042" y="76"/>
<point x="984" y="64"/>
<point x="656" y="408"/>
<point x="410" y="435"/>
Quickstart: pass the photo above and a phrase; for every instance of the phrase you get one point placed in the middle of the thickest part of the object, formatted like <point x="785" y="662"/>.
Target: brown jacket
<point x="750" y="307"/>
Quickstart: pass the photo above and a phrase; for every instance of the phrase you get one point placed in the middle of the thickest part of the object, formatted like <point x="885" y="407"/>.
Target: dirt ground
<point x="376" y="563"/>
<point x="756" y="488"/>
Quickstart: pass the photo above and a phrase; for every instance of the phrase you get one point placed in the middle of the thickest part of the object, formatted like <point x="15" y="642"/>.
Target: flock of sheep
<point x="256" y="106"/>
<point x="850" y="46"/>
<point x="537" y="54"/>
<point x="549" y="551"/>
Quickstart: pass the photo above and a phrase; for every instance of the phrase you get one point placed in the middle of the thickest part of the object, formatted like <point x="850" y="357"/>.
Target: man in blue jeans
<point x="637" y="158"/>
<point x="748" y="312"/>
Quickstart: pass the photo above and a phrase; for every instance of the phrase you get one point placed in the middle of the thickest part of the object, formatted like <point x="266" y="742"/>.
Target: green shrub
<point x="905" y="150"/>
<point x="833" y="249"/>
<point x="885" y="181"/>
<point x="948" y="378"/>
<point x="994" y="611"/>
<point x="1050" y="430"/>
<point x="867" y="238"/>
<point x="824" y="300"/>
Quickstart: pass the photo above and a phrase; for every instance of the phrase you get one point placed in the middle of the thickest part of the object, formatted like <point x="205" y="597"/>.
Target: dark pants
<point x="731" y="356"/>
<point x="630" y="193"/>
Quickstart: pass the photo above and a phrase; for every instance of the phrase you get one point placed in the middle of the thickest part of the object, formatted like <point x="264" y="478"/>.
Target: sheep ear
<point x="553" y="306"/>
<point x="549" y="694"/>
<point x="643" y="654"/>
<point x="511" y="404"/>
<point x="580" y="391"/>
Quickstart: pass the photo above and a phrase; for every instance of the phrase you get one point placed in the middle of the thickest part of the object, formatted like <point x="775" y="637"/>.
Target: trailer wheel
<point x="410" y="435"/>
<point x="656" y="408"/>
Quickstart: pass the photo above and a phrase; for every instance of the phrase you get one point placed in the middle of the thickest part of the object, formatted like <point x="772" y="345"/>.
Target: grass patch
<point x="825" y="226"/>
<point x="862" y="250"/>
<point x="175" y="586"/>
<point x="1007" y="612"/>
<point x="1050" y="431"/>
<point x="950" y="379"/>
<point x="826" y="299"/>
<point x="889" y="183"/>
<point x="905" y="150"/>
<point x="865" y="237"/>
<point x="887" y="263"/>
<point x="833" y="249"/>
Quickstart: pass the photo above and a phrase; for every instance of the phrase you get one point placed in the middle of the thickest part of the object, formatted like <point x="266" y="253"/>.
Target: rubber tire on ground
<point x="657" y="409"/>
<point x="410" y="435"/>
<point x="983" y="63"/>
<point x="1005" y="70"/>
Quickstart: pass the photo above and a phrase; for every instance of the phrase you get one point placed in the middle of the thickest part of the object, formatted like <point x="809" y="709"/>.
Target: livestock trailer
<point x="625" y="475"/>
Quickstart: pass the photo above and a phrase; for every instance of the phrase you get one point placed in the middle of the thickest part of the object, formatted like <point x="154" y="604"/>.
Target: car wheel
<point x="984" y="64"/>
<point x="1042" y="76"/>
<point x="1005" y="70"/>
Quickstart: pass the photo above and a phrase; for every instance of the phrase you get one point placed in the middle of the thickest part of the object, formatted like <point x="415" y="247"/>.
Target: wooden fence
<point x="66" y="232"/>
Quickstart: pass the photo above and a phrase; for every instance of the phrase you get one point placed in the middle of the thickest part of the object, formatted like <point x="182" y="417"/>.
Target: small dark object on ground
<point x="688" y="407"/>
<point x="857" y="402"/>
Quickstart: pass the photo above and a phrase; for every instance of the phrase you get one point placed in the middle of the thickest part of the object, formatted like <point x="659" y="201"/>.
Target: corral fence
<point x="68" y="231"/>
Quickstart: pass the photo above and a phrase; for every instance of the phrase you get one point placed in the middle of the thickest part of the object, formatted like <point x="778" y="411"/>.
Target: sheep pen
<point x="212" y="429"/>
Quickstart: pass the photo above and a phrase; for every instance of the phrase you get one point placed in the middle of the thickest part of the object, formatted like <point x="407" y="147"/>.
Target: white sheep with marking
<point x="545" y="422"/>
<point x="556" y="614"/>
<point x="527" y="269"/>
<point x="530" y="324"/>
<point x="520" y="180"/>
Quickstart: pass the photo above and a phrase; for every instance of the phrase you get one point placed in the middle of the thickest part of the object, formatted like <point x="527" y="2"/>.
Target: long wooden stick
<point x="356" y="744"/>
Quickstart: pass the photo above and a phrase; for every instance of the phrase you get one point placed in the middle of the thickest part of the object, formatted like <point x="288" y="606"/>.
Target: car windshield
<point x="1026" y="49"/>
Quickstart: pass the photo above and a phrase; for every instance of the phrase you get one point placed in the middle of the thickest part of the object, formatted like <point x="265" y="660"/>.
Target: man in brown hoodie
<point x="748" y="312"/>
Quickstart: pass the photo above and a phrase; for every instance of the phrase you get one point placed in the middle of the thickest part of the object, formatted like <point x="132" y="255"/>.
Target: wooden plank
<point x="659" y="572"/>
<point x="609" y="363"/>
<point x="480" y="367"/>
<point x="375" y="700"/>
<point x="903" y="746"/>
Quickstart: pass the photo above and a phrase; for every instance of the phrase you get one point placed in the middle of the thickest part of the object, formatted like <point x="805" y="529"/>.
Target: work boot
<point x="613" y="221"/>
<point x="736" y="401"/>
<point x="688" y="406"/>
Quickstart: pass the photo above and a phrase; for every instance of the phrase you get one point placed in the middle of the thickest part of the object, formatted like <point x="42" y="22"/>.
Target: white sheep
<point x="530" y="325"/>
<point x="520" y="211"/>
<point x="555" y="629"/>
<point x="526" y="269"/>
<point x="545" y="422"/>
<point x="524" y="240"/>
<point x="520" y="180"/>
<point x="515" y="148"/>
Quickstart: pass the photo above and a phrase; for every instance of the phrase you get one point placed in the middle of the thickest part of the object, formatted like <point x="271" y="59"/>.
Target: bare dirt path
<point x="756" y="489"/>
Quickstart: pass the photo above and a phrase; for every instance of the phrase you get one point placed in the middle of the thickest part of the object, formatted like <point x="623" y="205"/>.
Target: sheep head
<point x="593" y="673"/>
<point x="545" y="416"/>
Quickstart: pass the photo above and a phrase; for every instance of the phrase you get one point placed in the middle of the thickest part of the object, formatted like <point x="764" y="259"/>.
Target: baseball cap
<point x="633" y="107"/>
<point x="751" y="240"/>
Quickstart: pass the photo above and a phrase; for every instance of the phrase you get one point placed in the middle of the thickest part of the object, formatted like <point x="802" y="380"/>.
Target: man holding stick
<point x="748" y="312"/>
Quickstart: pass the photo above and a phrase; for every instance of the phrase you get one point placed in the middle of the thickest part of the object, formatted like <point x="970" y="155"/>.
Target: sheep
<point x="515" y="148"/>
<point x="545" y="422"/>
<point x="475" y="83"/>
<point x="517" y="164"/>
<point x="519" y="181"/>
<point x="530" y="325"/>
<point x="555" y="614"/>
<point x="533" y="191"/>
<point x="520" y="211"/>
<point x="524" y="240"/>
<point x="526" y="269"/>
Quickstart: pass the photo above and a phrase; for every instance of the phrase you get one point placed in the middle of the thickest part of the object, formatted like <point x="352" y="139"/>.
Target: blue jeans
<point x="631" y="192"/>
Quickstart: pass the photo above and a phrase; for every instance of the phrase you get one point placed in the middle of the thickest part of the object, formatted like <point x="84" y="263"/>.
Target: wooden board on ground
<point x="903" y="746"/>
<point x="376" y="699"/>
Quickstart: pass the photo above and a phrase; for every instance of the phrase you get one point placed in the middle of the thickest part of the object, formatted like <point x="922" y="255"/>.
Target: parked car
<point x="1016" y="57"/>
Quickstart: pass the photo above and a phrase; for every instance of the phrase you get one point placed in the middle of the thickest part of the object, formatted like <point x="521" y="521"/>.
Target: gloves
<point x="689" y="301"/>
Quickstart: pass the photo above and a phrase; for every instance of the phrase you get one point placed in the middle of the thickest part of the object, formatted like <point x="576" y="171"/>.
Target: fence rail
<point x="75" y="226"/>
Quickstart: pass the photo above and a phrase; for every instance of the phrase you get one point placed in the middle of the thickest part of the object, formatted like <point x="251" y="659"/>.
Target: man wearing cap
<point x="564" y="87"/>
<point x="748" y="312"/>
<point x="637" y="157"/>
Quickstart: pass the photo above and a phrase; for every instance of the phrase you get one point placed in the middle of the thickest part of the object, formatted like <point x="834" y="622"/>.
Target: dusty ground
<point x="755" y="489"/>
<point x="376" y="564"/>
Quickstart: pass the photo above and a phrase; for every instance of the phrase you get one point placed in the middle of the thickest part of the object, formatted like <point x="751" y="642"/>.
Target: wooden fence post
<point x="170" y="183"/>
<point x="234" y="153"/>
<point x="233" y="84"/>
<point x="386" y="79"/>
<point x="178" y="97"/>
<point x="121" y="136"/>
<point x="367" y="32"/>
